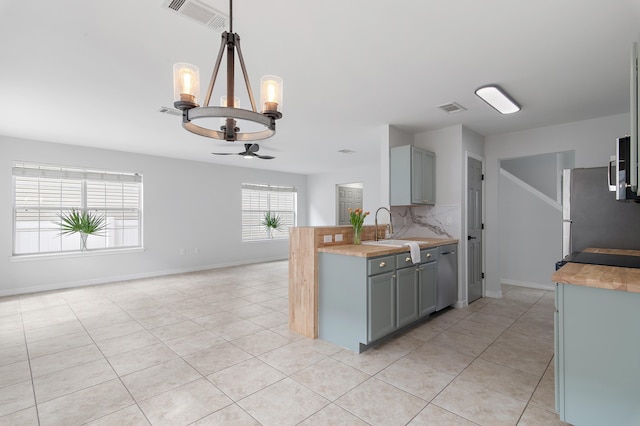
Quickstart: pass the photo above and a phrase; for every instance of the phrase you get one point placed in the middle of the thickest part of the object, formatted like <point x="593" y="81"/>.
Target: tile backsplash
<point x="426" y="221"/>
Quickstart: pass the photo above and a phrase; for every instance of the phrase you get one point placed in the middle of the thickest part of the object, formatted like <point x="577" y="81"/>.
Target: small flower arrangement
<point x="356" y="216"/>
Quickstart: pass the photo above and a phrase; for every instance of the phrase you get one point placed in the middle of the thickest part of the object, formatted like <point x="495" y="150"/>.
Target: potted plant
<point x="84" y="222"/>
<point x="271" y="222"/>
<point x="356" y="217"/>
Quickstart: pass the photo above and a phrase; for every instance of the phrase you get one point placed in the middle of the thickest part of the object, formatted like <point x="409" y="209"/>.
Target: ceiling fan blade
<point x="224" y="153"/>
<point x="265" y="157"/>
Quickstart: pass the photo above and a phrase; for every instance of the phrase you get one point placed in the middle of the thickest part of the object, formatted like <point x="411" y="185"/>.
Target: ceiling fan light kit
<point x="186" y="91"/>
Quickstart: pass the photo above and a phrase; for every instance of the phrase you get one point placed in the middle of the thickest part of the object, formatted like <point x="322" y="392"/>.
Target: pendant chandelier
<point x="186" y="88"/>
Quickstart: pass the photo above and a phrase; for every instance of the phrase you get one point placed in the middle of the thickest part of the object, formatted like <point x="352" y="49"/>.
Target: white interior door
<point x="474" y="230"/>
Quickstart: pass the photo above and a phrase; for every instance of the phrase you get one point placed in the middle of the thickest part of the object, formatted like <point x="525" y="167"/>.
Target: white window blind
<point x="257" y="200"/>
<point x="43" y="192"/>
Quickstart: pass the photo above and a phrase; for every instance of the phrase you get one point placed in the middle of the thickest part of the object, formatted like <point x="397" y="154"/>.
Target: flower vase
<point x="357" y="234"/>
<point x="83" y="241"/>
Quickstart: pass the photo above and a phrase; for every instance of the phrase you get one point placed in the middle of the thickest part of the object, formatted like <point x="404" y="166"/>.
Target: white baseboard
<point x="117" y="278"/>
<point x="493" y="294"/>
<point x="528" y="284"/>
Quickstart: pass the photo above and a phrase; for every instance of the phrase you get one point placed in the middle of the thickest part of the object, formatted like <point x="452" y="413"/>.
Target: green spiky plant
<point x="84" y="222"/>
<point x="271" y="222"/>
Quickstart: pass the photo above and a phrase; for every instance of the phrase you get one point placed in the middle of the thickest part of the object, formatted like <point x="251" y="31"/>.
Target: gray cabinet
<point x="427" y="282"/>
<point x="381" y="307"/>
<point x="360" y="300"/>
<point x="406" y="296"/>
<point x="412" y="176"/>
<point x="597" y="355"/>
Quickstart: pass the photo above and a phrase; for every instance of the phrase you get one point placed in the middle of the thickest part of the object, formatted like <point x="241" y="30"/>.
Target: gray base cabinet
<point x="597" y="356"/>
<point x="381" y="307"/>
<point x="361" y="301"/>
<point x="407" y="296"/>
<point x="428" y="282"/>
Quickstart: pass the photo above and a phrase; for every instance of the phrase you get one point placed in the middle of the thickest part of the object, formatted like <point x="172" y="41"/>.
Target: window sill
<point x="74" y="254"/>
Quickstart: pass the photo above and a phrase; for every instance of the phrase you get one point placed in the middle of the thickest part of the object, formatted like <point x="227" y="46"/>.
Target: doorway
<point x="348" y="196"/>
<point x="474" y="229"/>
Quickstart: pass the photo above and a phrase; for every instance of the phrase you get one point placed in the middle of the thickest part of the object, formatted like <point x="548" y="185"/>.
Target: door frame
<point x="464" y="283"/>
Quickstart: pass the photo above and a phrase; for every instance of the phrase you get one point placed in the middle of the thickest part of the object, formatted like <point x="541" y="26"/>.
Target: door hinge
<point x="482" y="176"/>
<point x="482" y="226"/>
<point x="483" y="275"/>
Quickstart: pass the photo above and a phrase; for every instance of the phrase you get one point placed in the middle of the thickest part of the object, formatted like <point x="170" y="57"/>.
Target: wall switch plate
<point x="182" y="252"/>
<point x="338" y="237"/>
<point x="327" y="238"/>
<point x="196" y="250"/>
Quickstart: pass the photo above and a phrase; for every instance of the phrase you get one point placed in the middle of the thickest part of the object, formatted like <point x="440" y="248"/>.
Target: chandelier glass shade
<point x="186" y="92"/>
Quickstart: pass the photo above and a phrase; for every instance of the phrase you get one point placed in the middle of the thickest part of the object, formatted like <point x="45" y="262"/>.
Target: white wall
<point x="530" y="236"/>
<point x="186" y="205"/>
<point x="322" y="193"/>
<point x="374" y="177"/>
<point x="593" y="142"/>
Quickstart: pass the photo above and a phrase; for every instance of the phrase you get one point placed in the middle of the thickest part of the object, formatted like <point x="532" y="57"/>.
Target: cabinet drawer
<point x="429" y="255"/>
<point x="379" y="265"/>
<point x="403" y="260"/>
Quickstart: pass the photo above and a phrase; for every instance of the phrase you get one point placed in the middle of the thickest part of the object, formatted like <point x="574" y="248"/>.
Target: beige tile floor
<point x="213" y="348"/>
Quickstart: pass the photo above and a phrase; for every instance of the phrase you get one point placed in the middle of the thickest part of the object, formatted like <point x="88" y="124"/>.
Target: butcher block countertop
<point x="599" y="276"/>
<point x="367" y="250"/>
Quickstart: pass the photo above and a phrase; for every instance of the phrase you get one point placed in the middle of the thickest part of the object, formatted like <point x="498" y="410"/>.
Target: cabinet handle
<point x="408" y="259"/>
<point x="382" y="264"/>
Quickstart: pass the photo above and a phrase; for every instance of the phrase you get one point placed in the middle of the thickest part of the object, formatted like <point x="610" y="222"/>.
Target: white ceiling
<point x="95" y="73"/>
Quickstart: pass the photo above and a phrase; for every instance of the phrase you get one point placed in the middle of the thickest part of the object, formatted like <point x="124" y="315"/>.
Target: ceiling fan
<point x="250" y="150"/>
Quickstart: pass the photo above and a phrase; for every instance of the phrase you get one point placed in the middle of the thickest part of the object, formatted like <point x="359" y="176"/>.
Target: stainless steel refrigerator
<point x="591" y="215"/>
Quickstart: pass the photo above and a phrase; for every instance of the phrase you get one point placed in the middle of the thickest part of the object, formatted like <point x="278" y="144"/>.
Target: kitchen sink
<point x="389" y="243"/>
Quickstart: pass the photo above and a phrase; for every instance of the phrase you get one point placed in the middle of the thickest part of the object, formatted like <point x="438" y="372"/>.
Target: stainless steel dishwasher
<point x="447" y="276"/>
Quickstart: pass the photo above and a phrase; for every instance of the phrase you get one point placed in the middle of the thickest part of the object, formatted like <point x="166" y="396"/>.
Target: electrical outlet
<point x="327" y="238"/>
<point x="338" y="237"/>
<point x="182" y="252"/>
<point x="449" y="220"/>
<point x="196" y="250"/>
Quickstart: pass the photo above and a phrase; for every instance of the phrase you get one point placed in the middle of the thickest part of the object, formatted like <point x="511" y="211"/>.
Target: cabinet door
<point x="428" y="276"/>
<point x="381" y="306"/>
<point x="416" y="176"/>
<point x="423" y="179"/>
<point x="407" y="296"/>
<point x="428" y="178"/>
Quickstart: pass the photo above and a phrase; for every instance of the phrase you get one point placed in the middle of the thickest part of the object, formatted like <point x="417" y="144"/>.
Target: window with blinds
<point x="259" y="199"/>
<point x="42" y="193"/>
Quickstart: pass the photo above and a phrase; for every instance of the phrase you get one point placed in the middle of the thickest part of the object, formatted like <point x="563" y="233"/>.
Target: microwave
<point x="620" y="171"/>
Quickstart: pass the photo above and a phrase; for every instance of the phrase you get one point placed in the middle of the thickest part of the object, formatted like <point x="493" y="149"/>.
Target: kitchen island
<point x="597" y="343"/>
<point x="369" y="292"/>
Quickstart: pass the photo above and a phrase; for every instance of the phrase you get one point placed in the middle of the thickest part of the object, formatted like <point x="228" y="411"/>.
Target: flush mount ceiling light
<point x="498" y="99"/>
<point x="186" y="88"/>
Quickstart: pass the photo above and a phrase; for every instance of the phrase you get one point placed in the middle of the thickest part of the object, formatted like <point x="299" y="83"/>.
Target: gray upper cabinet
<point x="412" y="176"/>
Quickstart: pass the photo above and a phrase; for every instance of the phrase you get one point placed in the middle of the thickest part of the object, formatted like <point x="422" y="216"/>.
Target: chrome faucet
<point x="389" y="225"/>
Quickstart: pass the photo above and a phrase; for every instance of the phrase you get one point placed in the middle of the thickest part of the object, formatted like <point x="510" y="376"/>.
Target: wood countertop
<point x="599" y="276"/>
<point x="367" y="250"/>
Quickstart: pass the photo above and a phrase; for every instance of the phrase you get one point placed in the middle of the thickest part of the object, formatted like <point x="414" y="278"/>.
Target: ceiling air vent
<point x="199" y="11"/>
<point x="452" y="107"/>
